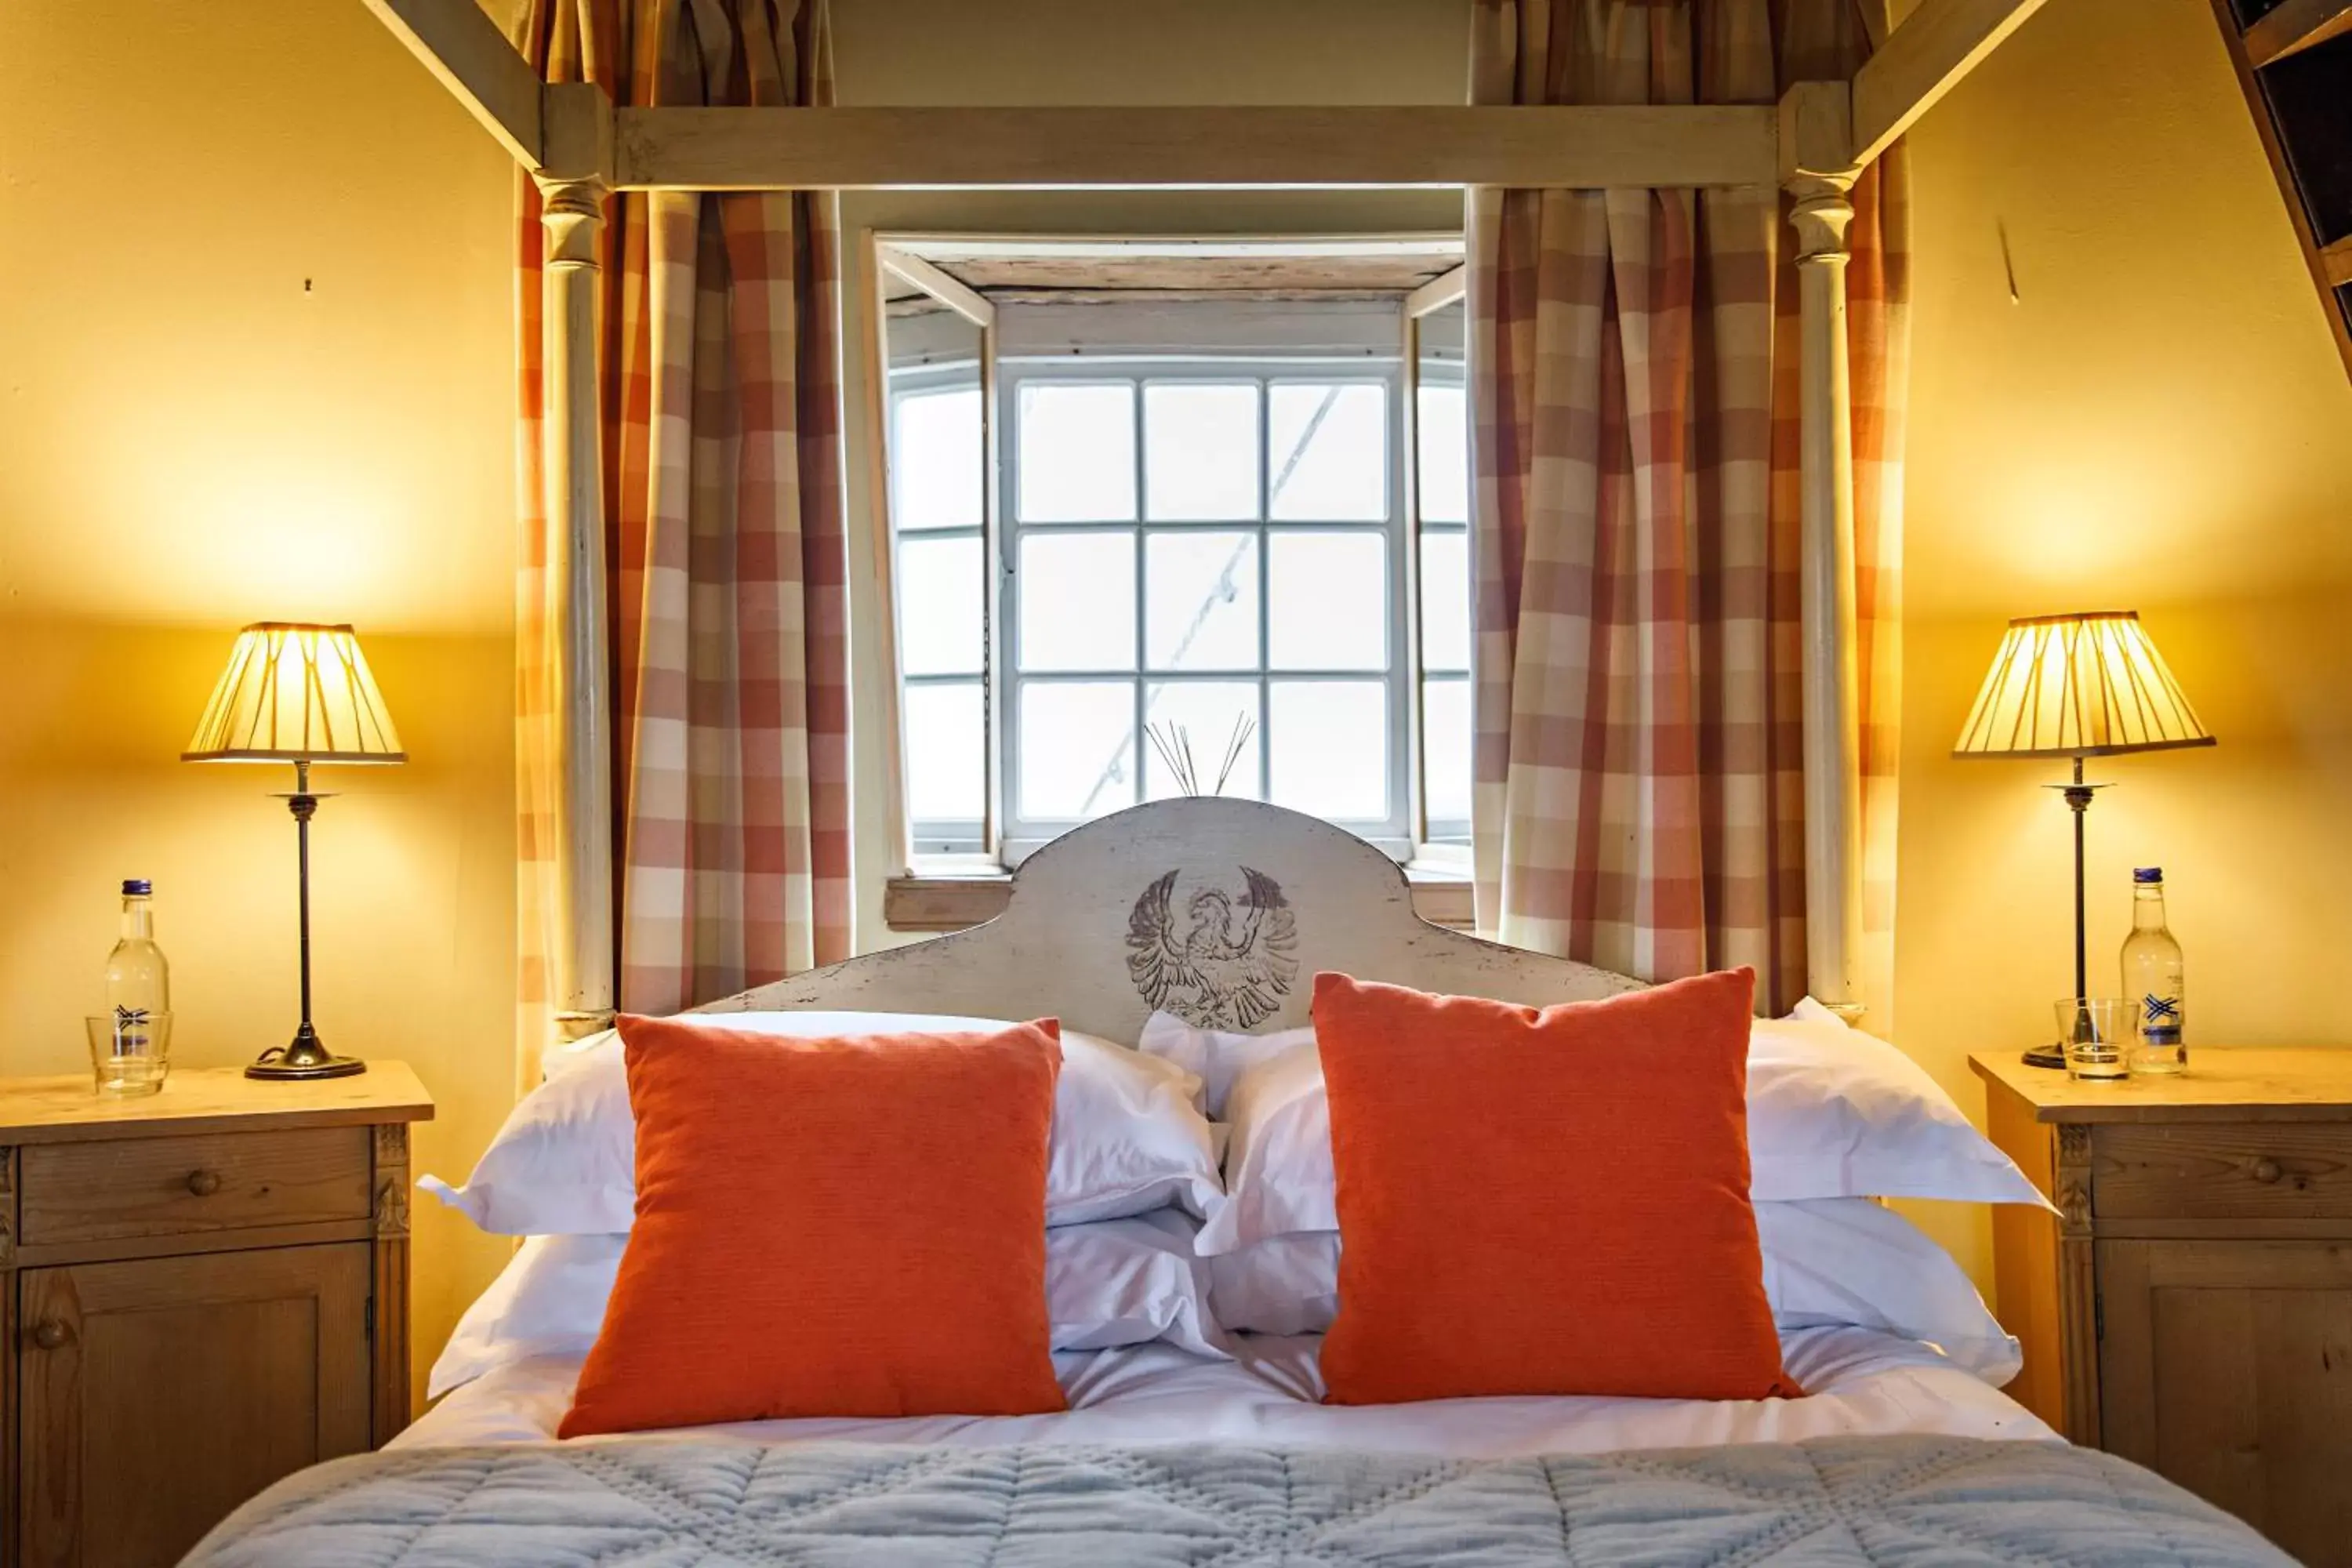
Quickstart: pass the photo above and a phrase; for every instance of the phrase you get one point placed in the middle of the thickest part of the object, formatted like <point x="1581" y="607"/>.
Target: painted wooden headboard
<point x="1221" y="911"/>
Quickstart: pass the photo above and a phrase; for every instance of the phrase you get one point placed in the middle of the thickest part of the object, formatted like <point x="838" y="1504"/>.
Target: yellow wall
<point x="189" y="439"/>
<point x="2160" y="423"/>
<point x="256" y="349"/>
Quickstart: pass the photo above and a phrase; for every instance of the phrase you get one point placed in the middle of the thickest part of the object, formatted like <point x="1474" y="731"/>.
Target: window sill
<point x="946" y="901"/>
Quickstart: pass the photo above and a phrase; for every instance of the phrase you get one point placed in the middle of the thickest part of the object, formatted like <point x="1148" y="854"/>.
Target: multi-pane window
<point x="1200" y="586"/>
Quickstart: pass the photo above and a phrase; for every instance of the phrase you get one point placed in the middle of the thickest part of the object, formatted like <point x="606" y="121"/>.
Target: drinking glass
<point x="129" y="1053"/>
<point x="2099" y="1033"/>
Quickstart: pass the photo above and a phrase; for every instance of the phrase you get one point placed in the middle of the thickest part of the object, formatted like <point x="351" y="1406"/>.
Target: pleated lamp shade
<point x="296" y="693"/>
<point x="2088" y="685"/>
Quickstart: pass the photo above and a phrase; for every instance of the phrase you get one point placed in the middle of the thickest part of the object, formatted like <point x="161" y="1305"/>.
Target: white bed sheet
<point x="1861" y="1382"/>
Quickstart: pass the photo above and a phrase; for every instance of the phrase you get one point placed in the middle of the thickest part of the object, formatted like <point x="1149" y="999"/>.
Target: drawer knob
<point x="2266" y="1171"/>
<point x="49" y="1333"/>
<point x="205" y="1184"/>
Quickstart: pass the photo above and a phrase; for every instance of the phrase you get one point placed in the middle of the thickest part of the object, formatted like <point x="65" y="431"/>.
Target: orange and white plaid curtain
<point x="719" y="376"/>
<point x="1635" y="391"/>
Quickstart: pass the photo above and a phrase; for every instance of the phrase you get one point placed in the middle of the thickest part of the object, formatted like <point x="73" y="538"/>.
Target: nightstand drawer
<point x="2190" y="1170"/>
<point x="185" y="1185"/>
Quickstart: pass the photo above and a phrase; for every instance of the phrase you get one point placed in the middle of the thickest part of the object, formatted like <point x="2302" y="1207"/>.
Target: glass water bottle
<point x="2151" y="962"/>
<point x="138" y="979"/>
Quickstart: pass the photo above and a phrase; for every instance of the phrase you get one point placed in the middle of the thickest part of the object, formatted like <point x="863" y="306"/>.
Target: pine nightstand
<point x="200" y="1291"/>
<point x="2191" y="1305"/>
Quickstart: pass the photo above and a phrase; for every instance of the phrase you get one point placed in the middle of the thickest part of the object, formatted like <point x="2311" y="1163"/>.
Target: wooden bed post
<point x="572" y="185"/>
<point x="1817" y="170"/>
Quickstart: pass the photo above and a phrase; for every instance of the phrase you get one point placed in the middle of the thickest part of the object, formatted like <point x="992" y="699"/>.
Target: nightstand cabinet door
<point x="159" y="1393"/>
<point x="2226" y="1365"/>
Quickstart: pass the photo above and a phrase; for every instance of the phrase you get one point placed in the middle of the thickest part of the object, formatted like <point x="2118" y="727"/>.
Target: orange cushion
<point x="1543" y="1201"/>
<point x="830" y="1228"/>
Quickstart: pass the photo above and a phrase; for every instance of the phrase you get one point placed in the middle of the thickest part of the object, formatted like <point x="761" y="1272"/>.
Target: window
<point x="1202" y="588"/>
<point x="1200" y="585"/>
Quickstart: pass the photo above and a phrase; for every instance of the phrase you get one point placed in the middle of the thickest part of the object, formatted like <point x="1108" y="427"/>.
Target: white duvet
<point x="1860" y="1381"/>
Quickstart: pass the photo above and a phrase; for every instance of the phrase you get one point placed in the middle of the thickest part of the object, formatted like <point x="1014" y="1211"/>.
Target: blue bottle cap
<point x="137" y="888"/>
<point x="2147" y="874"/>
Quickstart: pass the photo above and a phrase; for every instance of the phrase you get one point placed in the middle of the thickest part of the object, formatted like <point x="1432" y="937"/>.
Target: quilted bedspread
<point x="1911" y="1501"/>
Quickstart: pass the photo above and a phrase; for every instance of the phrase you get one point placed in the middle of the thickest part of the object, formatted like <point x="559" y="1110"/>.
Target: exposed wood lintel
<point x="463" y="49"/>
<point x="1922" y="60"/>
<point x="2295" y="25"/>
<point x="1195" y="148"/>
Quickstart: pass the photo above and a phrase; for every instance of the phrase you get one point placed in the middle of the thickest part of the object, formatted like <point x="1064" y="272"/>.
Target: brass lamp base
<point x="304" y="1058"/>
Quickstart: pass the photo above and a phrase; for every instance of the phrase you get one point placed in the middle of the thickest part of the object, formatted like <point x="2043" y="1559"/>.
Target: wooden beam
<point x="1193" y="148"/>
<point x="1125" y="248"/>
<point x="1922" y="60"/>
<point x="948" y="290"/>
<point x="1447" y="287"/>
<point x="2295" y="25"/>
<point x="2337" y="259"/>
<point x="472" y="59"/>
<point x="2325" y="263"/>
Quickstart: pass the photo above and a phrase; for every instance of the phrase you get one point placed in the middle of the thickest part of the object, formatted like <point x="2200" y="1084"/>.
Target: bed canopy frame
<point x="579" y="147"/>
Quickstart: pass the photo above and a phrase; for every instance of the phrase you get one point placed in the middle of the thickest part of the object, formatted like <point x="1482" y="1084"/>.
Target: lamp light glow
<point x="2084" y="685"/>
<point x="296" y="693"/>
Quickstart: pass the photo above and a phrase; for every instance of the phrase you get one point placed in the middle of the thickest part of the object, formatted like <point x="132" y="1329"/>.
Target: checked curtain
<point x="718" y="367"/>
<point x="1634" y="360"/>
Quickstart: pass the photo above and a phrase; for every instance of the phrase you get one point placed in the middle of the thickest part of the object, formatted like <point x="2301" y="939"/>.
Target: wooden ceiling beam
<point x="1446" y="288"/>
<point x="936" y="282"/>
<point x="1193" y="148"/>
<point x="2295" y="26"/>
<point x="1923" y="58"/>
<point x="465" y="50"/>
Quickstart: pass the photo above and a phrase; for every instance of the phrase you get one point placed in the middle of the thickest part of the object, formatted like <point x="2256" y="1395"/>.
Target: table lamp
<point x="2085" y="685"/>
<point x="300" y="694"/>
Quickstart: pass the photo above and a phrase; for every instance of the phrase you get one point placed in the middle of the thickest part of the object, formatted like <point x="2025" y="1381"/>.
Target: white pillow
<point x="1213" y="1056"/>
<point x="1832" y="1112"/>
<point x="1127" y="1138"/>
<point x="1115" y="1282"/>
<point x="1835" y="1112"/>
<point x="1826" y="1261"/>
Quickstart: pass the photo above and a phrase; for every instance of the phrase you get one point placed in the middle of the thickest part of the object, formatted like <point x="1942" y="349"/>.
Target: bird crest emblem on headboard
<point x="1215" y="963"/>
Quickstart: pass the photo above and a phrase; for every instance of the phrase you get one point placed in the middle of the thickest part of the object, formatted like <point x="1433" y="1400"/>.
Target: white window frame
<point x="1271" y="337"/>
<point x="933" y="838"/>
<point x="1393" y="832"/>
<point x="1441" y="840"/>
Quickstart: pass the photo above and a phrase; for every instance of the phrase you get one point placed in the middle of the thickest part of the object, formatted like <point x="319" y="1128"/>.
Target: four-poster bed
<point x="579" y="147"/>
<point x="1216" y="915"/>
